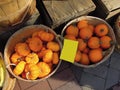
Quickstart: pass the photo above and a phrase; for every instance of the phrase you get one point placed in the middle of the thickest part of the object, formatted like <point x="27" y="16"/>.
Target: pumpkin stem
<point x="102" y="30"/>
<point x="11" y="64"/>
<point x="27" y="75"/>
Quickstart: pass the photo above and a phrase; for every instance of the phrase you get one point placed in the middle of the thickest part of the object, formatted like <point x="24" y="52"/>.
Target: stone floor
<point x="71" y="77"/>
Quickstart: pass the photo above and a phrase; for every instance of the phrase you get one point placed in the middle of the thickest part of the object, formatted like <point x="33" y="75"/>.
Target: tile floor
<point x="71" y="77"/>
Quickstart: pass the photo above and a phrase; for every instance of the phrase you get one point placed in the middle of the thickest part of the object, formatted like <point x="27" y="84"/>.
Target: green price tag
<point x="69" y="50"/>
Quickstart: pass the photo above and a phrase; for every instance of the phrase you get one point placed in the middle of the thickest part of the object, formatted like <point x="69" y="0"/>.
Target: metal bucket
<point x="21" y="35"/>
<point x="94" y="21"/>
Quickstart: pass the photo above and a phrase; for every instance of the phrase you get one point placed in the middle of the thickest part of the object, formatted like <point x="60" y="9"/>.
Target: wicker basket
<point x="9" y="81"/>
<point x="13" y="12"/>
<point x="21" y="35"/>
<point x="94" y="21"/>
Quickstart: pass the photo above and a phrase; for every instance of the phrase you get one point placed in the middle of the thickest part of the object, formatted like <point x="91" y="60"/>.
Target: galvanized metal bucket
<point x="21" y="35"/>
<point x="94" y="21"/>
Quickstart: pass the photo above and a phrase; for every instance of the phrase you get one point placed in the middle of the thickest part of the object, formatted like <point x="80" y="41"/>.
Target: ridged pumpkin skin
<point x="44" y="69"/>
<point x="19" y="68"/>
<point x="32" y="58"/>
<point x="32" y="71"/>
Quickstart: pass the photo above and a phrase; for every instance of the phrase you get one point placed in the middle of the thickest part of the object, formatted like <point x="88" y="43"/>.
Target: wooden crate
<point x="106" y="9"/>
<point x="62" y="11"/>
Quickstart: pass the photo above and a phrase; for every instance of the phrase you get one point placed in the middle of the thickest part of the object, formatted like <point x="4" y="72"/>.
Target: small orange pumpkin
<point x="85" y="33"/>
<point x="71" y="37"/>
<point x="82" y="24"/>
<point x="72" y="30"/>
<point x="35" y="44"/>
<point x="78" y="56"/>
<point x="94" y="42"/>
<point x="46" y="36"/>
<point x="105" y="42"/>
<point x="84" y="59"/>
<point x="16" y="58"/>
<point x="32" y="58"/>
<point x="101" y="30"/>
<point x="95" y="55"/>
<point x="81" y="44"/>
<point x="55" y="58"/>
<point x="41" y="53"/>
<point x="91" y="27"/>
<point x="54" y="46"/>
<point x="22" y="49"/>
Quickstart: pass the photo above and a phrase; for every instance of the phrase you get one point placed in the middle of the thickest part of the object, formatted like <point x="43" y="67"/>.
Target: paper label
<point x="69" y="50"/>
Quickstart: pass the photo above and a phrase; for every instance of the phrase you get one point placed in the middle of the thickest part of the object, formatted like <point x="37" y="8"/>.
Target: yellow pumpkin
<point x="44" y="69"/>
<point x="48" y="56"/>
<point x="32" y="58"/>
<point x="32" y="71"/>
<point x="19" y="68"/>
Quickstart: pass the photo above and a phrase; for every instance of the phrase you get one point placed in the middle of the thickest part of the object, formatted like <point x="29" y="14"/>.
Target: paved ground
<point x="71" y="77"/>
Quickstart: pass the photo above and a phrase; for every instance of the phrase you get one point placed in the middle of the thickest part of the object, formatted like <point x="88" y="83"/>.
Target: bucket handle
<point x="61" y="38"/>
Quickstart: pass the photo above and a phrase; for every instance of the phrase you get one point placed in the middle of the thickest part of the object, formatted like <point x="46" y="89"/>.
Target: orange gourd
<point x="95" y="55"/>
<point x="78" y="56"/>
<point x="105" y="42"/>
<point x="55" y="58"/>
<point x="72" y="30"/>
<point x="54" y="46"/>
<point x="84" y="59"/>
<point x="22" y="49"/>
<point x="35" y="44"/>
<point x="46" y="36"/>
<point x="82" y="24"/>
<point x="41" y="53"/>
<point x="71" y="37"/>
<point x="101" y="30"/>
<point x="85" y="33"/>
<point x="16" y="58"/>
<point x="81" y="44"/>
<point x="94" y="42"/>
<point x="91" y="27"/>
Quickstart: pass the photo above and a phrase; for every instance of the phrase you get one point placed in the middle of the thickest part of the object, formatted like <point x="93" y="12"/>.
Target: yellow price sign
<point x="69" y="50"/>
